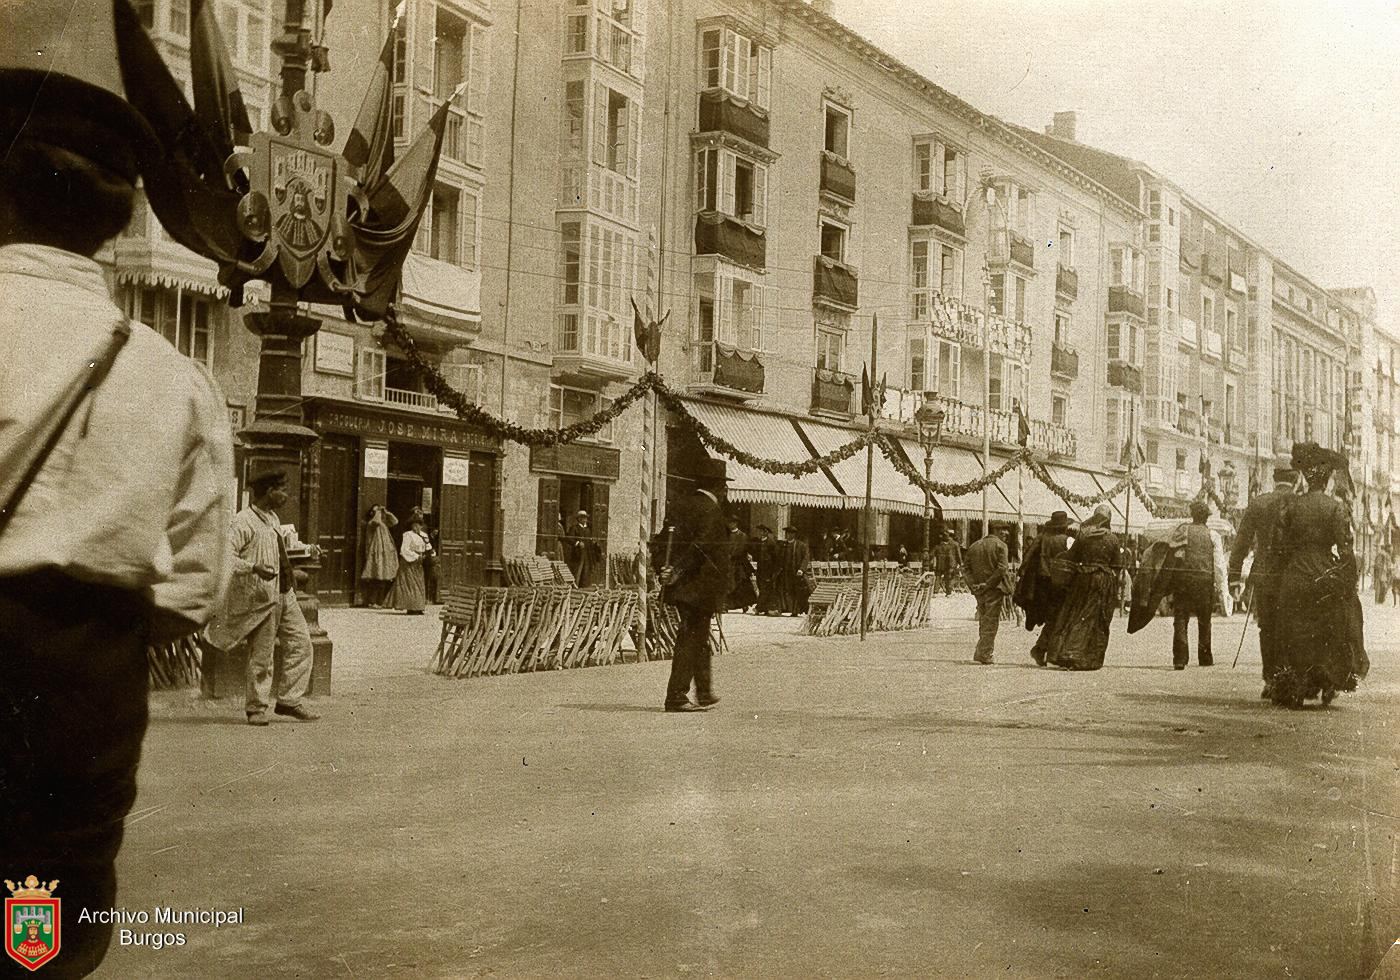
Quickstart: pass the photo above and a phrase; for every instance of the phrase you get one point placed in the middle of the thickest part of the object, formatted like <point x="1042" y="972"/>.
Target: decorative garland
<point x="468" y="411"/>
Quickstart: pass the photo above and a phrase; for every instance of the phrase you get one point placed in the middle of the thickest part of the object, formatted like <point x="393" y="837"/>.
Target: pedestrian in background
<point x="947" y="561"/>
<point x="583" y="552"/>
<point x="1395" y="579"/>
<point x="768" y="559"/>
<point x="988" y="576"/>
<point x="114" y="491"/>
<point x="381" y="557"/>
<point x="743" y="594"/>
<point x="1380" y="575"/>
<point x="797" y="573"/>
<point x="410" y="592"/>
<point x="262" y="606"/>
<point x="1044" y="580"/>
<point x="1199" y="574"/>
<point x="1080" y="630"/>
<point x="697" y="582"/>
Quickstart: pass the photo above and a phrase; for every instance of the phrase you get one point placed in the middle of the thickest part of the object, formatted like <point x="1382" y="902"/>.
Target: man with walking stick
<point x="1257" y="534"/>
<point x="696" y="578"/>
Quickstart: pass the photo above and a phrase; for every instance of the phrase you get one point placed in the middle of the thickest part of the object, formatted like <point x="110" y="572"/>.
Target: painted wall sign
<point x="335" y="353"/>
<point x="392" y="425"/>
<point x="577" y="460"/>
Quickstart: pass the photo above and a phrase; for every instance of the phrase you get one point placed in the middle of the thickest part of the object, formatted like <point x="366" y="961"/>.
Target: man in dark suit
<point x="986" y="563"/>
<point x="1195" y="589"/>
<point x="697" y="581"/>
<point x="1256" y="534"/>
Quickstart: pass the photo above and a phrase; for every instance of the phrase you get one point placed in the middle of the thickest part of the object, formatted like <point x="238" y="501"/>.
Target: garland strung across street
<point x="468" y="411"/>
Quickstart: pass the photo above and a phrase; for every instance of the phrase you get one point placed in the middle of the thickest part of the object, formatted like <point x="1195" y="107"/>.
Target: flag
<point x="867" y="397"/>
<point x="384" y="236"/>
<point x="647" y="333"/>
<point x="183" y="171"/>
<point x="369" y="149"/>
<point x="1023" y="427"/>
<point x="1204" y="466"/>
<point x="217" y="100"/>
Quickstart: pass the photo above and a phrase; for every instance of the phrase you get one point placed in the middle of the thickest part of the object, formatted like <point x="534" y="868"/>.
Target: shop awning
<point x="952" y="464"/>
<point x="1076" y="481"/>
<point x="889" y="491"/>
<point x="1135" y="515"/>
<point x="771" y="436"/>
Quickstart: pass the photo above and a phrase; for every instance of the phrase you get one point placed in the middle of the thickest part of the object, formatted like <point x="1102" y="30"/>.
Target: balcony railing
<point x="722" y="112"/>
<point x="418" y="401"/>
<point x="1123" y="375"/>
<point x="719" y="234"/>
<point x="1022" y="251"/>
<point x="962" y="422"/>
<point x="838" y="177"/>
<point x="720" y="367"/>
<point x="832" y="392"/>
<point x="835" y="282"/>
<point x="1066" y="282"/>
<point x="1064" y="361"/>
<point x="1121" y="299"/>
<point x="952" y="319"/>
<point x="931" y="209"/>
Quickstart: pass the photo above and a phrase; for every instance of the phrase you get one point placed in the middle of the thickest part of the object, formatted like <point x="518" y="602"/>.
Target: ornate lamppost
<point x="929" y="419"/>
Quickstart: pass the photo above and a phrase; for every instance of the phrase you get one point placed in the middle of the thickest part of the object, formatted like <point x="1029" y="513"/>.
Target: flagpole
<point x="869" y="477"/>
<point x="1132" y="458"/>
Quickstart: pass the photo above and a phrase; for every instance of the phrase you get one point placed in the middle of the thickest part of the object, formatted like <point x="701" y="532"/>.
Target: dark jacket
<point x="1196" y="576"/>
<point x="985" y="566"/>
<point x="1256" y="533"/>
<point x="701" y="558"/>
<point x="1036" y="590"/>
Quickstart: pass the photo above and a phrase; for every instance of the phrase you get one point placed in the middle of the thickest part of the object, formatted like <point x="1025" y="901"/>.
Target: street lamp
<point x="929" y="418"/>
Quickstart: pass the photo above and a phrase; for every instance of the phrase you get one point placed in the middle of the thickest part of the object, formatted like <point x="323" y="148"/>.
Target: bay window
<point x="177" y="314"/>
<point x="734" y="307"/>
<point x="568" y="406"/>
<point x="940" y="168"/>
<point x="597" y="271"/>
<point x="1006" y="384"/>
<point x="935" y="268"/>
<point x="935" y="364"/>
<point x="737" y="64"/>
<point x="1123" y="341"/>
<point x="731" y="184"/>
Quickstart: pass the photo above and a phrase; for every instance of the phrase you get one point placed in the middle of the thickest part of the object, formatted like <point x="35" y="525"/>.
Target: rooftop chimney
<point x="1063" y="126"/>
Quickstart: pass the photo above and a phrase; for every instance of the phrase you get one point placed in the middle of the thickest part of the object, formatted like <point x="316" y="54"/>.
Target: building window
<point x="1154" y="205"/>
<point x="179" y="315"/>
<point x="444" y="228"/>
<point x="741" y="312"/>
<point x="1006" y="384"/>
<point x="731" y="184"/>
<point x="370" y="372"/>
<point x="1062" y="325"/>
<point x="838" y="131"/>
<point x="1180" y="460"/>
<point x="1122" y="341"/>
<point x="949" y="380"/>
<point x="1023" y="212"/>
<point x="1207" y="313"/>
<point x="1115" y="428"/>
<point x="255" y="40"/>
<point x="831" y="346"/>
<point x="1066" y="257"/>
<point x="401" y="52"/>
<point x="570" y="405"/>
<point x="736" y="64"/>
<point x="1059" y="409"/>
<point x="1126" y="267"/>
<point x="917" y="380"/>
<point x="940" y="169"/>
<point x="833" y="241"/>
<point x="570" y="258"/>
<point x="919" y="279"/>
<point x="1232" y="330"/>
<point x="179" y="19"/>
<point x="573" y="120"/>
<point x="145" y="12"/>
<point x="1171" y="217"/>
<point x="1014" y="304"/>
<point x="576" y="34"/>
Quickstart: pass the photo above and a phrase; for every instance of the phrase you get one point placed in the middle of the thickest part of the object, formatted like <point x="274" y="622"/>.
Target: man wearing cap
<point x="797" y="573"/>
<point x="262" y="606"/>
<point x="1044" y="580"/>
<point x="1202" y="556"/>
<point x="114" y="487"/>
<point x="988" y="577"/>
<point x="697" y="579"/>
<point x="1256" y="533"/>
<point x="947" y="559"/>
<point x="584" y="553"/>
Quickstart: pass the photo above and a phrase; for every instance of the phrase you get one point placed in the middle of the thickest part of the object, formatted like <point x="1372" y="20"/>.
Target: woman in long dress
<point x="1079" y="635"/>
<point x="381" y="557"/>
<point x="1321" y="650"/>
<point x="409" y="593"/>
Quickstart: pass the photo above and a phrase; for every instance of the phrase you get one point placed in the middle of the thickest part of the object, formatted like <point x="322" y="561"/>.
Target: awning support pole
<point x="871" y="391"/>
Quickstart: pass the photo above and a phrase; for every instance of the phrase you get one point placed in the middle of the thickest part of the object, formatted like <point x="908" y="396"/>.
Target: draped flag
<point x="647" y="333"/>
<point x="1023" y="427"/>
<point x="369" y="149"/>
<point x="218" y="102"/>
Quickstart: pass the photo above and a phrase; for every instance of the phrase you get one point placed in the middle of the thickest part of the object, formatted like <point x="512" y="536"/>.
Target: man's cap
<point x="61" y="82"/>
<point x="791" y="528"/>
<point x="582" y="513"/>
<point x="265" y="478"/>
<point x="764" y="527"/>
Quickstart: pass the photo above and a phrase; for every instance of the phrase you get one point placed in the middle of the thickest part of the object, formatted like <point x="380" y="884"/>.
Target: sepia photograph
<point x="985" y="413"/>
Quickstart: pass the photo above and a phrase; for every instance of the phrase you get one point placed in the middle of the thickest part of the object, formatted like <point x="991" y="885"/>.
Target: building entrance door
<point x="337" y="524"/>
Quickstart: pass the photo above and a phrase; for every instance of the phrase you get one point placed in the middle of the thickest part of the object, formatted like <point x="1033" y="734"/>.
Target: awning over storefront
<point x="963" y="466"/>
<point x="771" y="436"/>
<point x="1076" y="481"/>
<point x="1135" y="515"/>
<point x="889" y="490"/>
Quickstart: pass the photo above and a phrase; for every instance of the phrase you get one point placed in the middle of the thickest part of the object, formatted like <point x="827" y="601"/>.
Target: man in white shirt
<point x="117" y="540"/>
<point x="262" y="606"/>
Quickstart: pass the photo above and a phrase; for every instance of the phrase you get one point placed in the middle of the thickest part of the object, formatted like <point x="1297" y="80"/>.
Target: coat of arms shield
<point x="32" y="930"/>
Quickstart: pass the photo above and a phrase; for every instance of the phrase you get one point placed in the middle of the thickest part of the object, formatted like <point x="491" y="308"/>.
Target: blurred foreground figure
<point x="115" y="466"/>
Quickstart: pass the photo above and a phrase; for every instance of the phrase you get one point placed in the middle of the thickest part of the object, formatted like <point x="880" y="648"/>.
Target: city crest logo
<point x="32" y="922"/>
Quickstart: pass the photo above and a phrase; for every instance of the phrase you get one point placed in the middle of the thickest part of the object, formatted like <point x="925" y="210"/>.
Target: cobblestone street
<point x="850" y="809"/>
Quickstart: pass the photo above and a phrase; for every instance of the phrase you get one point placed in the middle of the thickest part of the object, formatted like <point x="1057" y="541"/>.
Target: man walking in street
<point x="989" y="579"/>
<point x="262" y="606"/>
<point x="1195" y="588"/>
<point x="115" y="460"/>
<point x="696" y="580"/>
<point x="947" y="558"/>
<point x="1256" y="533"/>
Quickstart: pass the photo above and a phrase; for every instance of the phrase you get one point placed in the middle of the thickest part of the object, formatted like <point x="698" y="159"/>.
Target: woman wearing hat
<point x="1079" y="635"/>
<point x="410" y="591"/>
<point x="1319" y="645"/>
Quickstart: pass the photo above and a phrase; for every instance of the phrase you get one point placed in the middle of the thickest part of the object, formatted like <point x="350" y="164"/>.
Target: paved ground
<point x="850" y="809"/>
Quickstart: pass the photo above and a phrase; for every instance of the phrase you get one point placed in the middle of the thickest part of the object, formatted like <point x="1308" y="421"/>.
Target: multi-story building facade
<point x="780" y="186"/>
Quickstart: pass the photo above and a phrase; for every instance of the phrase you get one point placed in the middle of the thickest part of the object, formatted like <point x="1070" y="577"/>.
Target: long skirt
<point x="408" y="592"/>
<point x="1321" y="647"/>
<point x="1079" y="633"/>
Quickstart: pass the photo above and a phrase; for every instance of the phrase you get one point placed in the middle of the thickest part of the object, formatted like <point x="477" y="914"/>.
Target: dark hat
<point x="711" y="471"/>
<point x="1058" y="520"/>
<point x="1283" y="474"/>
<point x="61" y="81"/>
<point x="1200" y="510"/>
<point x="790" y="528"/>
<point x="764" y="527"/>
<point x="265" y="478"/>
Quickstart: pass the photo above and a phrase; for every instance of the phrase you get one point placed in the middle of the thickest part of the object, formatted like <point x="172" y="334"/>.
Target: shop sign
<point x="377" y="462"/>
<point x="335" y="353"/>
<point x="393" y="426"/>
<point x="237" y="417"/>
<point x="577" y="460"/>
<point x="456" y="471"/>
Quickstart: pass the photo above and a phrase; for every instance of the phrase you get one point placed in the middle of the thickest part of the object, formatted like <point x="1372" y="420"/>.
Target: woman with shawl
<point x="409" y="592"/>
<point x="1080" y="633"/>
<point x="381" y="557"/>
<point x="1321" y="651"/>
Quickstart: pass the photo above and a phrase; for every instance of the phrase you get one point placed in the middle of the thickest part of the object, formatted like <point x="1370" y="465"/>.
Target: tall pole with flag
<point x="870" y="395"/>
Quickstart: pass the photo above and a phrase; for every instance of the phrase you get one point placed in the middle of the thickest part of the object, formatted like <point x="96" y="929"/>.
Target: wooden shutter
<point x="724" y="309"/>
<point x="765" y="76"/>
<point x="727" y="164"/>
<point x="760" y="195"/>
<point x="547" y="519"/>
<point x="477" y="76"/>
<point x="600" y="123"/>
<point x="424" y="42"/>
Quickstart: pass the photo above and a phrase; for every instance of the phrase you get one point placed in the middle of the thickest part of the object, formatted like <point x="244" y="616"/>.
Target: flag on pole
<point x="217" y="100"/>
<point x="867" y="397"/>
<point x="369" y="149"/>
<point x="1023" y="427"/>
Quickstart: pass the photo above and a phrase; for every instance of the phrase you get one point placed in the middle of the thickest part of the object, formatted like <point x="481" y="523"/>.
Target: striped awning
<point x="1076" y="481"/>
<point x="889" y="490"/>
<point x="773" y="437"/>
<point x="1135" y="514"/>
